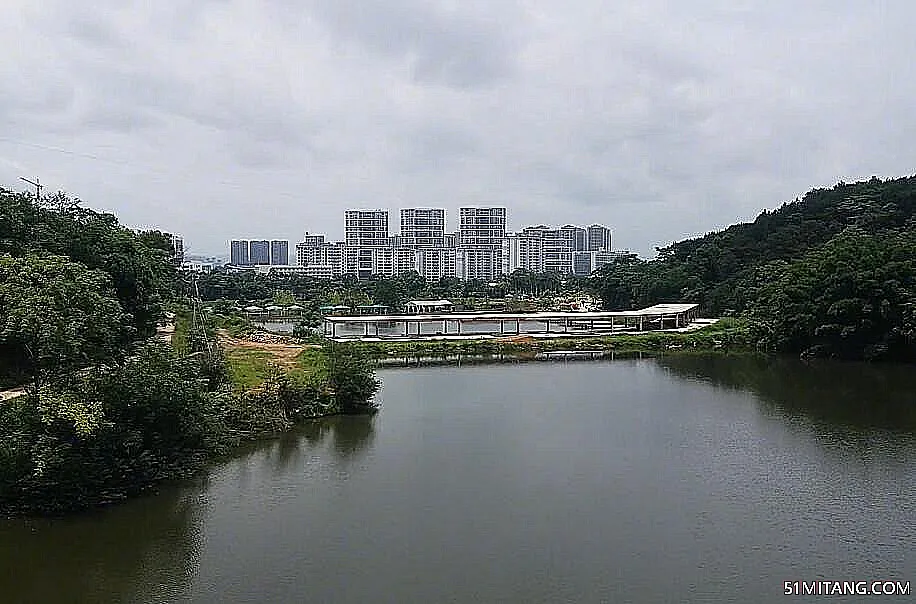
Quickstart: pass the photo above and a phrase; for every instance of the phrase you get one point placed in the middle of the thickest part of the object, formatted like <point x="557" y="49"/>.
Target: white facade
<point x="481" y="232"/>
<point x="558" y="253"/>
<point x="366" y="228"/>
<point x="195" y="266"/>
<point x="480" y="249"/>
<point x="322" y="259"/>
<point x="436" y="263"/>
<point x="422" y="228"/>
<point x="479" y="263"/>
<point x="521" y="252"/>
<point x="482" y="227"/>
<point x="177" y="248"/>
<point x="385" y="261"/>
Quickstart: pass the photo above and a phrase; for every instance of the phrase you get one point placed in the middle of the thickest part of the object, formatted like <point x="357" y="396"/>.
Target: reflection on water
<point x="830" y="394"/>
<point x="148" y="550"/>
<point x="684" y="478"/>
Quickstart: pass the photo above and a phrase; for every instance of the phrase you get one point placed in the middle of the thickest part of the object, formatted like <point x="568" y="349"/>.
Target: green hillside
<point x="831" y="274"/>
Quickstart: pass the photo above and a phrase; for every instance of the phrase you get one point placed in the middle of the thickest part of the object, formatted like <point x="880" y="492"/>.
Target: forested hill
<point x="839" y="261"/>
<point x="873" y="206"/>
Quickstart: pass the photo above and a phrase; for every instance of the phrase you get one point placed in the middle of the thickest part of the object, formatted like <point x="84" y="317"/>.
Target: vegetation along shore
<point x="110" y="409"/>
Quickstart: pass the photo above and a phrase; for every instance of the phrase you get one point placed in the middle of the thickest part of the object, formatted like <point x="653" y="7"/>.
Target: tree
<point x="19" y="216"/>
<point x="56" y="316"/>
<point x="851" y="298"/>
<point x="350" y="377"/>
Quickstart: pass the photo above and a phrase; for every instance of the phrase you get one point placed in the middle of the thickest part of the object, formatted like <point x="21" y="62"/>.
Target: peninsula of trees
<point x="110" y="408"/>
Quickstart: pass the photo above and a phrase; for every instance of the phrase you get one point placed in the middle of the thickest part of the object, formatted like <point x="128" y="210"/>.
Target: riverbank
<point x="725" y="336"/>
<point x="114" y="432"/>
<point x="252" y="358"/>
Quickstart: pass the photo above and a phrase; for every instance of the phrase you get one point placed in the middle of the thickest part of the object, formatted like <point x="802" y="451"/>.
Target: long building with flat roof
<point x="468" y="325"/>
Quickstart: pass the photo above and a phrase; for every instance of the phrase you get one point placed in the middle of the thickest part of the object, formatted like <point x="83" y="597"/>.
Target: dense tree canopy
<point x="56" y="315"/>
<point x="825" y="275"/>
<point x="136" y="263"/>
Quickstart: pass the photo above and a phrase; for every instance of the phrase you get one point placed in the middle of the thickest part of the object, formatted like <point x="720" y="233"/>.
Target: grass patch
<point x="248" y="367"/>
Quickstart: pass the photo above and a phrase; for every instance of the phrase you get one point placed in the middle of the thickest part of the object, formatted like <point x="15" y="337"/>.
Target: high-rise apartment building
<point x="557" y="248"/>
<point x="584" y="263"/>
<point x="259" y="251"/>
<point x="599" y="238"/>
<point x="479" y="263"/>
<point x="384" y="261"/>
<point x="481" y="227"/>
<point x="313" y="239"/>
<point x="238" y="252"/>
<point x="422" y="228"/>
<point x="436" y="263"/>
<point x="244" y="252"/>
<point x="578" y="239"/>
<point x="481" y="232"/>
<point x="177" y="248"/>
<point x="480" y="249"/>
<point x="321" y="259"/>
<point x="521" y="252"/>
<point x="366" y="228"/>
<point x="279" y="252"/>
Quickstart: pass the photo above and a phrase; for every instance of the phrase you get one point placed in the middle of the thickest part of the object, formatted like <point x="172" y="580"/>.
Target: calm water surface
<point x="678" y="479"/>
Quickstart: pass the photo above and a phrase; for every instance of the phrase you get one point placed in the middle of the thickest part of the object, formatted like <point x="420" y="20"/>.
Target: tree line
<point x="110" y="408"/>
<point x="832" y="274"/>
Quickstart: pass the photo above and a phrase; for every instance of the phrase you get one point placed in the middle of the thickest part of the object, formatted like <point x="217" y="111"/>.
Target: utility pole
<point x="37" y="185"/>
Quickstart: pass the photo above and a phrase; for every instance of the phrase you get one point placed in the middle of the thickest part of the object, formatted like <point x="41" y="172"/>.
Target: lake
<point x="685" y="478"/>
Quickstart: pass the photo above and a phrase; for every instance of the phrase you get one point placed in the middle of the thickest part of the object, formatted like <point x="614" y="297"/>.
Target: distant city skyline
<point x="451" y="226"/>
<point x="481" y="248"/>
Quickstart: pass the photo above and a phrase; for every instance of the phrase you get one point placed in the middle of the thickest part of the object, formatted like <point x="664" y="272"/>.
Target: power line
<point x="132" y="165"/>
<point x="60" y="150"/>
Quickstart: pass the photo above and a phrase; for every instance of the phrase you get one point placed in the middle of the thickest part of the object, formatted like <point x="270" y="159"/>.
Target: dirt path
<point x="283" y="351"/>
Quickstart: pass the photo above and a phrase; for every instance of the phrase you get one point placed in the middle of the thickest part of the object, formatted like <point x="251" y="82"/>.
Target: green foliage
<point x="107" y="413"/>
<point x="108" y="432"/>
<point x="284" y="298"/>
<point x="855" y="297"/>
<point x="796" y="272"/>
<point x="138" y="265"/>
<point x="349" y="377"/>
<point x="56" y="316"/>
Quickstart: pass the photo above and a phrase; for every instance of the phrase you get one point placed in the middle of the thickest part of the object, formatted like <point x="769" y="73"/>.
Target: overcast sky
<point x="220" y="119"/>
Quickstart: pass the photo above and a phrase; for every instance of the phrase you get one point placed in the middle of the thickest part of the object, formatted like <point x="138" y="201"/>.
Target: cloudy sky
<point x="232" y="118"/>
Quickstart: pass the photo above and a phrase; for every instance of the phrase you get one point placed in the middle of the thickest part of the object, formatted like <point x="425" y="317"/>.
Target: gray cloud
<point x="442" y="43"/>
<point x="227" y="118"/>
